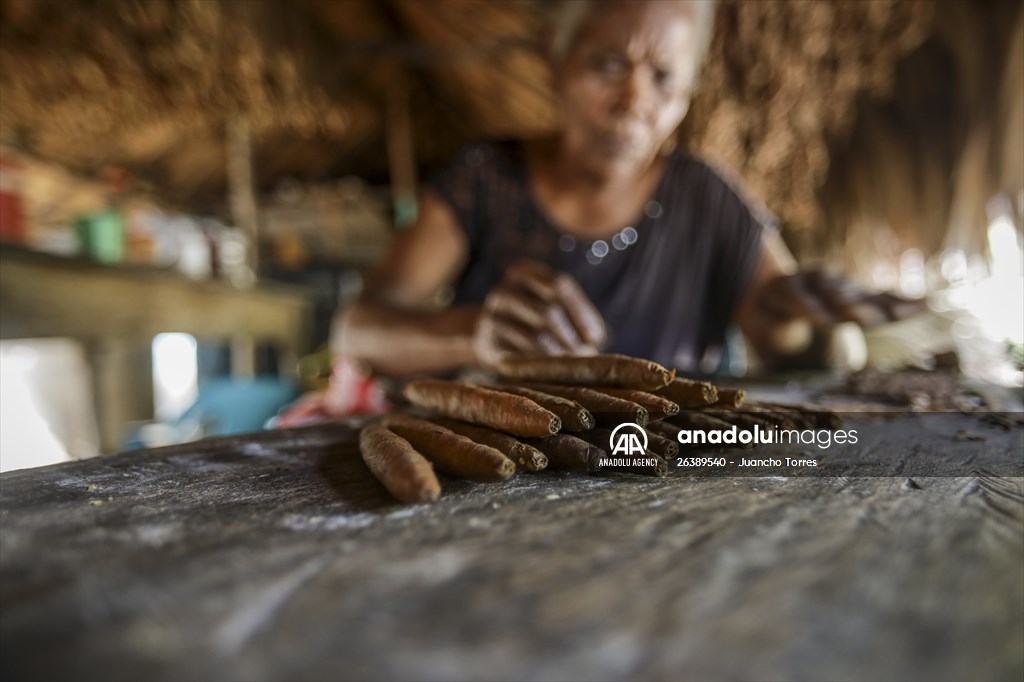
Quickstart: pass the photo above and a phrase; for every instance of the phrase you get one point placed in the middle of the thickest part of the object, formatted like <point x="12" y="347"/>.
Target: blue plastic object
<point x="228" y="406"/>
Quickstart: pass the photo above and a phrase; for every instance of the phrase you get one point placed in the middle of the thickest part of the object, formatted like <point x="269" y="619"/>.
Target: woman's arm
<point x="392" y="326"/>
<point x="789" y="322"/>
<point x="810" y="318"/>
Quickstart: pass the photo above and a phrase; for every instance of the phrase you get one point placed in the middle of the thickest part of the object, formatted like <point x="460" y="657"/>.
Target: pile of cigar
<point x="555" y="412"/>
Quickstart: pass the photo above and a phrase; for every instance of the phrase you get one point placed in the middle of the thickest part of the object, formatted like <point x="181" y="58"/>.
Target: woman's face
<point x="626" y="83"/>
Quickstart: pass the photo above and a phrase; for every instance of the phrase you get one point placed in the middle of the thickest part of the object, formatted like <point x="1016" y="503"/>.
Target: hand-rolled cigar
<point x="688" y="393"/>
<point x="666" y="429"/>
<point x="599" y="437"/>
<point x="512" y="414"/>
<point x="568" y="453"/>
<point x="783" y="420"/>
<point x="606" y="409"/>
<point x="657" y="407"/>
<point x="574" y="416"/>
<point x="731" y="397"/>
<point x="452" y="454"/>
<point x="524" y="456"/>
<point x="800" y="420"/>
<point x="702" y="421"/>
<point x="744" y="420"/>
<point x="821" y="417"/>
<point x="620" y="371"/>
<point x="662" y="446"/>
<point x="406" y="474"/>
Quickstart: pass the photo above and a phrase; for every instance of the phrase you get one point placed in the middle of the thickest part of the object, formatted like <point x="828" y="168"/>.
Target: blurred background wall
<point x="246" y="161"/>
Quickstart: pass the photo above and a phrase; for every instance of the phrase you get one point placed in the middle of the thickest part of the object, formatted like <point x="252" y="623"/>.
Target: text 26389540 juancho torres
<point x="745" y="462"/>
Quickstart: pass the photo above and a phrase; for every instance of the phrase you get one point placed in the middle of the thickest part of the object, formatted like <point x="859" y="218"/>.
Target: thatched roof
<point x="931" y="166"/>
<point x="151" y="84"/>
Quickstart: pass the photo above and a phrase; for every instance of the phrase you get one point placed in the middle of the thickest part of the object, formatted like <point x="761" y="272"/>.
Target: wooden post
<point x="401" y="155"/>
<point x="122" y="386"/>
<point x="241" y="192"/>
<point x="243" y="356"/>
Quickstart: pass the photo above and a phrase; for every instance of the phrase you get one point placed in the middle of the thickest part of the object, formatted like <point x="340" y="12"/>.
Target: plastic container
<point x="12" y="225"/>
<point x="102" y="236"/>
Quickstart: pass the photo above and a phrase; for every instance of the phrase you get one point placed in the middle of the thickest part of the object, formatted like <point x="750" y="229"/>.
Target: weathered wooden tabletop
<point x="277" y="556"/>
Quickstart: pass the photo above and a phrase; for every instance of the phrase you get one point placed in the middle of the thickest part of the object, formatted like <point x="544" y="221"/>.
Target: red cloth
<point x="351" y="392"/>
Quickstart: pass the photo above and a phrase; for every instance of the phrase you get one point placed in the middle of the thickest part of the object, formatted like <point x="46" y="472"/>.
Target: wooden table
<point x="277" y="556"/>
<point x="115" y="311"/>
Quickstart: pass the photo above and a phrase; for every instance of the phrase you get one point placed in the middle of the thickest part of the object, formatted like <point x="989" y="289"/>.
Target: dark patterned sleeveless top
<point x="668" y="285"/>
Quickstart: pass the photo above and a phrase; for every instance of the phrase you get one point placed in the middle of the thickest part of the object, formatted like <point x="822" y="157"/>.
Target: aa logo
<point x="628" y="439"/>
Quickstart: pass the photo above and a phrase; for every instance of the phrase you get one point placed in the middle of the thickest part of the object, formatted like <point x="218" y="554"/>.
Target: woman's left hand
<point x="826" y="300"/>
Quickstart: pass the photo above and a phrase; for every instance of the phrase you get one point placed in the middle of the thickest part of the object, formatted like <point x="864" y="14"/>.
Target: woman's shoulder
<point x="704" y="168"/>
<point x="719" y="180"/>
<point x="472" y="171"/>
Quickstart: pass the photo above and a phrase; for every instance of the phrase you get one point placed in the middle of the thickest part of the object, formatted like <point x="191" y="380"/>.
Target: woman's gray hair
<point x="565" y="19"/>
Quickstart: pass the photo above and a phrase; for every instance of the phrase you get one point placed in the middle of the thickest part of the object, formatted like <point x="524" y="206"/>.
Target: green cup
<point x="102" y="236"/>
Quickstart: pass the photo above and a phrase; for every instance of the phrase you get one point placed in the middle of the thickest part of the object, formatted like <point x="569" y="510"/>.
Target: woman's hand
<point x="820" y="318"/>
<point x="811" y="319"/>
<point x="535" y="310"/>
<point x="825" y="301"/>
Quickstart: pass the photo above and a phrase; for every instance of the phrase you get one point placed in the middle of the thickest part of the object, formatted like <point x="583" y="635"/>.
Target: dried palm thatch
<point x="152" y="84"/>
<point x="924" y="168"/>
<point x="783" y="78"/>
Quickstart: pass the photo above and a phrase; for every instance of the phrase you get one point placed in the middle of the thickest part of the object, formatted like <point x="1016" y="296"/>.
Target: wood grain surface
<point x="278" y="556"/>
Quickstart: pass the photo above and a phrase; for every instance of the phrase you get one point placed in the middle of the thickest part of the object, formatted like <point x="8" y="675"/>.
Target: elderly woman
<point x="602" y="238"/>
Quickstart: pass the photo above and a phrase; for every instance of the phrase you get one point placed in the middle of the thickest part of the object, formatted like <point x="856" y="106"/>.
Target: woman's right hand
<point x="536" y="310"/>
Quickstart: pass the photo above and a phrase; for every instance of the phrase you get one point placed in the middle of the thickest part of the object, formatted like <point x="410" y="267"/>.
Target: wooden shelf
<point x="42" y="295"/>
<point x="115" y="311"/>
